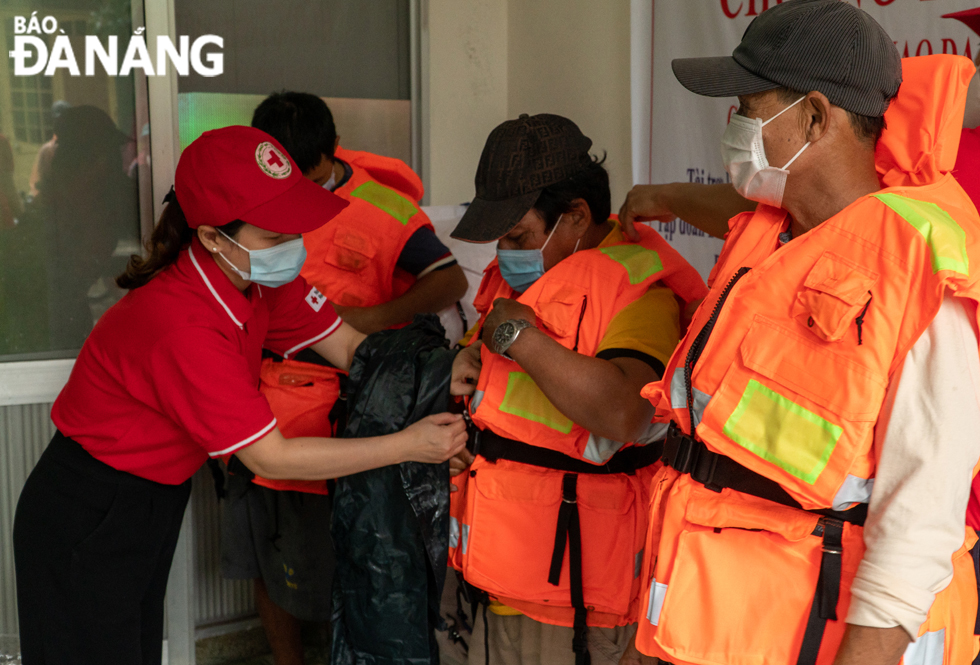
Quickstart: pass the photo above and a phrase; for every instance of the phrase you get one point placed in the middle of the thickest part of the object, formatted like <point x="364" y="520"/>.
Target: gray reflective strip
<point x="678" y="396"/>
<point x="475" y="400"/>
<point x="853" y="490"/>
<point x="927" y="650"/>
<point x="453" y="532"/>
<point x="653" y="432"/>
<point x="599" y="449"/>
<point x="466" y="537"/>
<point x="638" y="565"/>
<point x="657" y="593"/>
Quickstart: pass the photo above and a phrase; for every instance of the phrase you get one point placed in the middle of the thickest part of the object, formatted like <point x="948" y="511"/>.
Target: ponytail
<point x="162" y="248"/>
<point x="170" y="235"/>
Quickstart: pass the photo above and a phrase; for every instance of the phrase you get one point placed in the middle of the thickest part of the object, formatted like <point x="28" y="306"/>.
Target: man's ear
<point x="579" y="217"/>
<point x="818" y="111"/>
<point x="336" y="143"/>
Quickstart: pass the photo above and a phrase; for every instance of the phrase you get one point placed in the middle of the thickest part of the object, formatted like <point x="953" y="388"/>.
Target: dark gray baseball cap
<point x="824" y="45"/>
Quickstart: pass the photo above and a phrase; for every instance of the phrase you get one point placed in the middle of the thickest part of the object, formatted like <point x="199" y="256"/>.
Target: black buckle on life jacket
<point x="686" y="454"/>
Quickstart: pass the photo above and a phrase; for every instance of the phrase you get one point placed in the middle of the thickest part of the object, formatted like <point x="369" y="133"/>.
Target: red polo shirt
<point x="170" y="374"/>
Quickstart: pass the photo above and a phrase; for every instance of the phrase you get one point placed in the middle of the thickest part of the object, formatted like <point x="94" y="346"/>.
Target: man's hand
<point x="644" y="203"/>
<point x="504" y="309"/>
<point x="632" y="656"/>
<point x="466" y="371"/>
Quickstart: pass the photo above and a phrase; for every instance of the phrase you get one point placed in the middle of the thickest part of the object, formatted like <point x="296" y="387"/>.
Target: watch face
<point x="503" y="334"/>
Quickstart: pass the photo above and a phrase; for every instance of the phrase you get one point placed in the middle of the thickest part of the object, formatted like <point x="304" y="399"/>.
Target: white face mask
<point x="744" y="155"/>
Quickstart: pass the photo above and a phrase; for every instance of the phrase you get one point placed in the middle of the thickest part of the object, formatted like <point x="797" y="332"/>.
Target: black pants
<point x="92" y="550"/>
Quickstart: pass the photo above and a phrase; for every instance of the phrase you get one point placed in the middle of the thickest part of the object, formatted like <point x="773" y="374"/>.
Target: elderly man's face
<point x="784" y="136"/>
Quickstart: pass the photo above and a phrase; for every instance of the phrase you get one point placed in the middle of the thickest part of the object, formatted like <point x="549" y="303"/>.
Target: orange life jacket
<point x="503" y="525"/>
<point x="352" y="261"/>
<point x="784" y="370"/>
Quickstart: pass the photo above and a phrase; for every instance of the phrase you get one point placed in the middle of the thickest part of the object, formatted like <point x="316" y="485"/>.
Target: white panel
<point x="24" y="434"/>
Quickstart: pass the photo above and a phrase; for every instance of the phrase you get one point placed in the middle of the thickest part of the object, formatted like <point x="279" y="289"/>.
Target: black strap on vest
<point x="494" y="447"/>
<point x="570" y="529"/>
<point x="717" y="472"/>
<point x="824" y="607"/>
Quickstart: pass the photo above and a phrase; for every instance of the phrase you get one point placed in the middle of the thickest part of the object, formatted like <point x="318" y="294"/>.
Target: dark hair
<point x="590" y="184"/>
<point x="867" y="128"/>
<point x="170" y="235"/>
<point x="301" y="122"/>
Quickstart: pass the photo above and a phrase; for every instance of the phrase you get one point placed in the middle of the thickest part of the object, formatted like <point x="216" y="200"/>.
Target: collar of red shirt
<point x="235" y="304"/>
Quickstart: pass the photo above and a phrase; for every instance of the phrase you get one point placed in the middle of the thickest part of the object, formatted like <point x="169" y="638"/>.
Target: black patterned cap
<point x="520" y="159"/>
<point x="824" y="45"/>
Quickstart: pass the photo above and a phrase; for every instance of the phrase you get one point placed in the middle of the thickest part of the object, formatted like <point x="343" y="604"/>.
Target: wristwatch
<point x="506" y="334"/>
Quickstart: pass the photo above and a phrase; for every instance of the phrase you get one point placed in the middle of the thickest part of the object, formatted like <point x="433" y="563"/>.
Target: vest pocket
<point x="742" y="581"/>
<point x="350" y="250"/>
<point x="798" y="405"/>
<point x="512" y="517"/>
<point x="834" y="294"/>
<point x="561" y="312"/>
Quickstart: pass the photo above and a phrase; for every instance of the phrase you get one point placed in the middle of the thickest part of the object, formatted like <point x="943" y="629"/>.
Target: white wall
<point x="464" y="90"/>
<point x="486" y="61"/>
<point x="572" y="58"/>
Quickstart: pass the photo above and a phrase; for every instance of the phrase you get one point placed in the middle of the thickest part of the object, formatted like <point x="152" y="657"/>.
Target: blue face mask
<point x="523" y="267"/>
<point x="273" y="266"/>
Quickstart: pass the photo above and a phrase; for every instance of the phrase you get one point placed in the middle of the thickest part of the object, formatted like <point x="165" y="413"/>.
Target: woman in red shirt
<point x="168" y="378"/>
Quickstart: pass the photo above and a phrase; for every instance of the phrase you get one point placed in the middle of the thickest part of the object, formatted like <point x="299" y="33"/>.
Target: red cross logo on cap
<point x="273" y="161"/>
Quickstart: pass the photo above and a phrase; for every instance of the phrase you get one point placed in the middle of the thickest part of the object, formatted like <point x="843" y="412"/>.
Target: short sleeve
<point x="299" y="316"/>
<point x="647" y="329"/>
<point x="424" y="253"/>
<point x="203" y="384"/>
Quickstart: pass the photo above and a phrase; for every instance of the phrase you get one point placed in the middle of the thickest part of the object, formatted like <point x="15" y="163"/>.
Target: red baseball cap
<point x="243" y="173"/>
<point x="971" y="17"/>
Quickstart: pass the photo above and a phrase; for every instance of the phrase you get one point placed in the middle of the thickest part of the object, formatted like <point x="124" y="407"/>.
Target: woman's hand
<point x="466" y="371"/>
<point x="460" y="462"/>
<point x="436" y="438"/>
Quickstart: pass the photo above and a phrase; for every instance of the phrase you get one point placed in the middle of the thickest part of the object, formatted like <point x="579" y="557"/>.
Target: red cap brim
<point x="304" y="207"/>
<point x="969" y="17"/>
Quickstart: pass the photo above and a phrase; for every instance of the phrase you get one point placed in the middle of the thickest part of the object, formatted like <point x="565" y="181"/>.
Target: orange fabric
<point x="732" y="576"/>
<point x="352" y="260"/>
<point x="924" y="121"/>
<point x="740" y="574"/>
<point x="505" y="513"/>
<point x="301" y="396"/>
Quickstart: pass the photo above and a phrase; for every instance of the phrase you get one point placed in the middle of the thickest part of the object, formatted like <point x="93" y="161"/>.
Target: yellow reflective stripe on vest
<point x="525" y="400"/>
<point x="640" y="262"/>
<point x="386" y="199"/>
<point x="946" y="238"/>
<point x="782" y="432"/>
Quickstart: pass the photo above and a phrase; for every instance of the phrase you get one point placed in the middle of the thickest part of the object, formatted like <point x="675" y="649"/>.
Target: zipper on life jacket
<point x="581" y="317"/>
<point x="860" y="317"/>
<point x="694" y="353"/>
